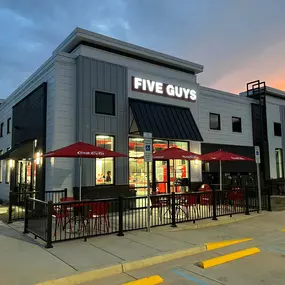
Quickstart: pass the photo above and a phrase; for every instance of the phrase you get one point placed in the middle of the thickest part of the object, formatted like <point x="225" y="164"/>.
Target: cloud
<point x="236" y="41"/>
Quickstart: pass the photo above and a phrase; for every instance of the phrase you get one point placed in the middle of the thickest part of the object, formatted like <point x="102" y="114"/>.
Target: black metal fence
<point x="61" y="221"/>
<point x="17" y="199"/>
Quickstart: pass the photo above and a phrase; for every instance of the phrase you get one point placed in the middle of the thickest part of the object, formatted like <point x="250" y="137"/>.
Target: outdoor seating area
<point x="73" y="219"/>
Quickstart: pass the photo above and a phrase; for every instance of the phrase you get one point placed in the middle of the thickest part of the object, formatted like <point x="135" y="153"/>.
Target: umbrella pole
<point x="80" y="177"/>
<point x="221" y="175"/>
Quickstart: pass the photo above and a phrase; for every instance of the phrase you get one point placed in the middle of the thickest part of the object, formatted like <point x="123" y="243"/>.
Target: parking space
<point x="266" y="267"/>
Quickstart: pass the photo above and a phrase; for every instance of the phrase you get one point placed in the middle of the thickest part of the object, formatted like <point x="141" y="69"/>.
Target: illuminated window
<point x="179" y="169"/>
<point x="279" y="162"/>
<point x="105" y="166"/>
<point x="137" y="166"/>
<point x="8" y="170"/>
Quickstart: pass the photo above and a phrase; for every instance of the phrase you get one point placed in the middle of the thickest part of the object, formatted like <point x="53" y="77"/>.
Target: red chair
<point x="158" y="203"/>
<point x="99" y="211"/>
<point x="235" y="196"/>
<point x="62" y="217"/>
<point x="190" y="200"/>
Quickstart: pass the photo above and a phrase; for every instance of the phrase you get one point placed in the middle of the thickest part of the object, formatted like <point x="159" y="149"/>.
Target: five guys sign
<point x="162" y="89"/>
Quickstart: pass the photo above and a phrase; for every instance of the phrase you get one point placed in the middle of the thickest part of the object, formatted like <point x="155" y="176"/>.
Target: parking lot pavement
<point x="266" y="267"/>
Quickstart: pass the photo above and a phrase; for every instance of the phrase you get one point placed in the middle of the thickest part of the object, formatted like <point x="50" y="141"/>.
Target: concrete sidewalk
<point x="33" y="263"/>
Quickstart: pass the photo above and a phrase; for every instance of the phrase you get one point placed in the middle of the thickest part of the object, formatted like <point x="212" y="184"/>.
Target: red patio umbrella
<point x="83" y="150"/>
<point x="223" y="156"/>
<point x="175" y="153"/>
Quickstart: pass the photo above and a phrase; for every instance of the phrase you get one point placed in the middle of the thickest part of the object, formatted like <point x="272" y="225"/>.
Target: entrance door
<point x="26" y="176"/>
<point x="168" y="175"/>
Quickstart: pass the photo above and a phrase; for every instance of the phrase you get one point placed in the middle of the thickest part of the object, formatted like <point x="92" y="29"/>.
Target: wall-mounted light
<point x="11" y="163"/>
<point x="38" y="158"/>
<point x="196" y="162"/>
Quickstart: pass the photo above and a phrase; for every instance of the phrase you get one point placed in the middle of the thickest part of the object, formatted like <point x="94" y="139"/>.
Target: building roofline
<point x="79" y="35"/>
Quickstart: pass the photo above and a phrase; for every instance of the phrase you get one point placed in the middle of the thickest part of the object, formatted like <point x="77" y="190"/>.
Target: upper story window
<point x="215" y="121"/>
<point x="277" y="130"/>
<point x="9" y="126"/>
<point x="1" y="130"/>
<point x="105" y="103"/>
<point x="236" y="124"/>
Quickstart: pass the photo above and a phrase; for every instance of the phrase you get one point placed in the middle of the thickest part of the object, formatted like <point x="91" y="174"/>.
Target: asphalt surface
<point x="266" y="267"/>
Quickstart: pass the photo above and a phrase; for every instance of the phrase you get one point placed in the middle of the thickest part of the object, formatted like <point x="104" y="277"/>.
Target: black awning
<point x="164" y="121"/>
<point x="20" y="151"/>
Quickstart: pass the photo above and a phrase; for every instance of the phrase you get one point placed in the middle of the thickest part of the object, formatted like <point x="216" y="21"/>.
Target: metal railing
<point x="55" y="222"/>
<point x="17" y="199"/>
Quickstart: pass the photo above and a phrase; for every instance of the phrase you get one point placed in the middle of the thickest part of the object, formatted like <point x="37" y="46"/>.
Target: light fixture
<point x="38" y="158"/>
<point x="196" y="161"/>
<point x="35" y="143"/>
<point x="11" y="163"/>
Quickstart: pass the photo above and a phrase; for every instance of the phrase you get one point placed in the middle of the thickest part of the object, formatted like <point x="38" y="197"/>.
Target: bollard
<point x="121" y="209"/>
<point x="214" y="202"/>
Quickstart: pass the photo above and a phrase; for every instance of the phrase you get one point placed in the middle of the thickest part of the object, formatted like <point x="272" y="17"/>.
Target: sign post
<point x="257" y="160"/>
<point x="148" y="159"/>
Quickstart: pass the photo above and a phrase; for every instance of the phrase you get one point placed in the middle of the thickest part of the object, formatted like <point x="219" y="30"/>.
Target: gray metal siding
<point x="93" y="75"/>
<point x="282" y="120"/>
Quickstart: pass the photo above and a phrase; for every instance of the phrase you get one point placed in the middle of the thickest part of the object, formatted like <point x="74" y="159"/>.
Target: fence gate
<point x="17" y="204"/>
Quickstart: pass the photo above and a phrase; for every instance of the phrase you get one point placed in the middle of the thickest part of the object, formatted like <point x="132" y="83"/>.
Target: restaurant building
<point x="107" y="92"/>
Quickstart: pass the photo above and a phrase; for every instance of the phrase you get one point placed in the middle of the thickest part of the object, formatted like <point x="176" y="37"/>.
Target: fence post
<point x="214" y="201"/>
<point x="65" y="192"/>
<point x="246" y="201"/>
<point x="269" y="192"/>
<point x="10" y="208"/>
<point x="173" y="210"/>
<point x="121" y="209"/>
<point x="49" y="224"/>
<point x="26" y="221"/>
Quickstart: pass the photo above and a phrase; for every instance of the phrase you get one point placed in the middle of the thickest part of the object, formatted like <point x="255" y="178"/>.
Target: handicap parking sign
<point x="147" y="147"/>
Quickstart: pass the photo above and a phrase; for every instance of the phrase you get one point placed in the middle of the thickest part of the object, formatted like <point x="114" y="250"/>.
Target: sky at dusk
<point x="237" y="41"/>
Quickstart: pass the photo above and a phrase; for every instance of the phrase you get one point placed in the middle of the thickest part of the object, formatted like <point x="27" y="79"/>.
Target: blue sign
<point x="147" y="147"/>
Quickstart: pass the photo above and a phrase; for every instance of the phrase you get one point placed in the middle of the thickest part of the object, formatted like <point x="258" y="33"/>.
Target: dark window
<point x="236" y="124"/>
<point x="215" y="122"/>
<point x="279" y="163"/>
<point x="277" y="129"/>
<point x="105" y="103"/>
<point x="9" y="126"/>
<point x="1" y="177"/>
<point x="1" y="130"/>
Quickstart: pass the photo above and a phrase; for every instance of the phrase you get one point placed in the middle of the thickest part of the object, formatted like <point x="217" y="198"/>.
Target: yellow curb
<point x="85" y="276"/>
<point x="214" y="224"/>
<point x="152" y="280"/>
<point x="224" y="243"/>
<point x="147" y="262"/>
<point x="124" y="267"/>
<point x="228" y="257"/>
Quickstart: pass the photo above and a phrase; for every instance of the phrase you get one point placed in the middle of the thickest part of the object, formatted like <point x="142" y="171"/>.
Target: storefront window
<point x="137" y="166"/>
<point x="105" y="166"/>
<point x="179" y="169"/>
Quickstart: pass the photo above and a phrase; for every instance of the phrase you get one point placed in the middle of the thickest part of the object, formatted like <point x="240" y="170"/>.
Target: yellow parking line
<point x="228" y="257"/>
<point x="283" y="230"/>
<point x="219" y="244"/>
<point x="151" y="280"/>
